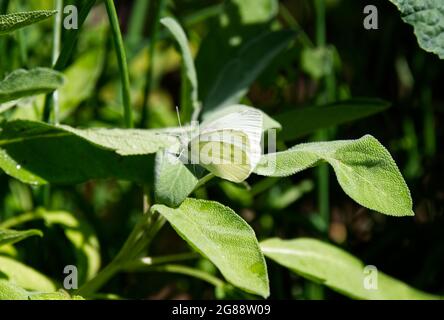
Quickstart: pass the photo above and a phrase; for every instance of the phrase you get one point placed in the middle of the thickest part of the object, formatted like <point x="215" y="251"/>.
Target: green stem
<point x="22" y="47"/>
<point x="429" y="123"/>
<point x="323" y="170"/>
<point x="139" y="239"/>
<point x="316" y="291"/>
<point x="203" y="181"/>
<point x="293" y="23"/>
<point x="152" y="261"/>
<point x="57" y="37"/>
<point x="154" y="30"/>
<point x="121" y="59"/>
<point x="65" y="54"/>
<point x="136" y="24"/>
<point x="174" y="268"/>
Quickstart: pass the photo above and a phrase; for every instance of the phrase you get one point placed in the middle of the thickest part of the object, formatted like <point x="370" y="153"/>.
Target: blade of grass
<point x="136" y="24"/>
<point x="158" y="7"/>
<point x="65" y="54"/>
<point x="121" y="59"/>
<point x="57" y="37"/>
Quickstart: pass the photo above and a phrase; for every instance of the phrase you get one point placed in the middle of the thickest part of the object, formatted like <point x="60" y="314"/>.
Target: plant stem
<point x="429" y="123"/>
<point x="292" y="22"/>
<point x="136" y="24"/>
<point x="65" y="54"/>
<point x="203" y="181"/>
<point x="153" y="36"/>
<point x="314" y="290"/>
<point x="57" y="37"/>
<point x="151" y="261"/>
<point x="139" y="239"/>
<point x="121" y="59"/>
<point x="174" y="268"/>
<point x="323" y="169"/>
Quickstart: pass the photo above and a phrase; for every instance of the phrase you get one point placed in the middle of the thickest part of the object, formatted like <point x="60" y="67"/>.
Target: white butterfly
<point x="229" y="147"/>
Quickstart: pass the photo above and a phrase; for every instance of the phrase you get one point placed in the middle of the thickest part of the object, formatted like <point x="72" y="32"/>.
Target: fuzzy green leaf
<point x="13" y="236"/>
<point x="24" y="276"/>
<point x="23" y="83"/>
<point x="13" y="21"/>
<point x="337" y="269"/>
<point x="38" y="153"/>
<point x="173" y="180"/>
<point x="427" y="19"/>
<point x="224" y="238"/>
<point x="11" y="291"/>
<point x="364" y="169"/>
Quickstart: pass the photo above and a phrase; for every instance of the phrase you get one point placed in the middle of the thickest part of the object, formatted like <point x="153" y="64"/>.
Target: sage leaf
<point x="427" y="19"/>
<point x="364" y="169"/>
<point x="173" y="180"/>
<point x="11" y="291"/>
<point x="326" y="264"/>
<point x="224" y="238"/>
<point x="23" y="83"/>
<point x="24" y="276"/>
<point x="13" y="236"/>
<point x="13" y="21"/>
<point x="38" y="153"/>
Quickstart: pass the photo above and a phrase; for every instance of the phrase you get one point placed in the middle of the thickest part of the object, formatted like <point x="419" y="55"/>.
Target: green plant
<point x="42" y="154"/>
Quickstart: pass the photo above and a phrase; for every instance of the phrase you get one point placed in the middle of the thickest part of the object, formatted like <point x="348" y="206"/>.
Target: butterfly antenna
<point x="178" y="116"/>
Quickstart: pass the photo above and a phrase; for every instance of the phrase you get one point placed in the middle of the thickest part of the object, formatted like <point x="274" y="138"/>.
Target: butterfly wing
<point x="229" y="147"/>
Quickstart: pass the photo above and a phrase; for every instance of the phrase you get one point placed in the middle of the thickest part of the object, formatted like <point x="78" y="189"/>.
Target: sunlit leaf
<point x="427" y="19"/>
<point x="11" y="291"/>
<point x="364" y="168"/>
<point x="13" y="21"/>
<point x="13" y="236"/>
<point x="24" y="83"/>
<point x="24" y="276"/>
<point x="337" y="269"/>
<point x="37" y="153"/>
<point x="173" y="180"/>
<point x="224" y="238"/>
